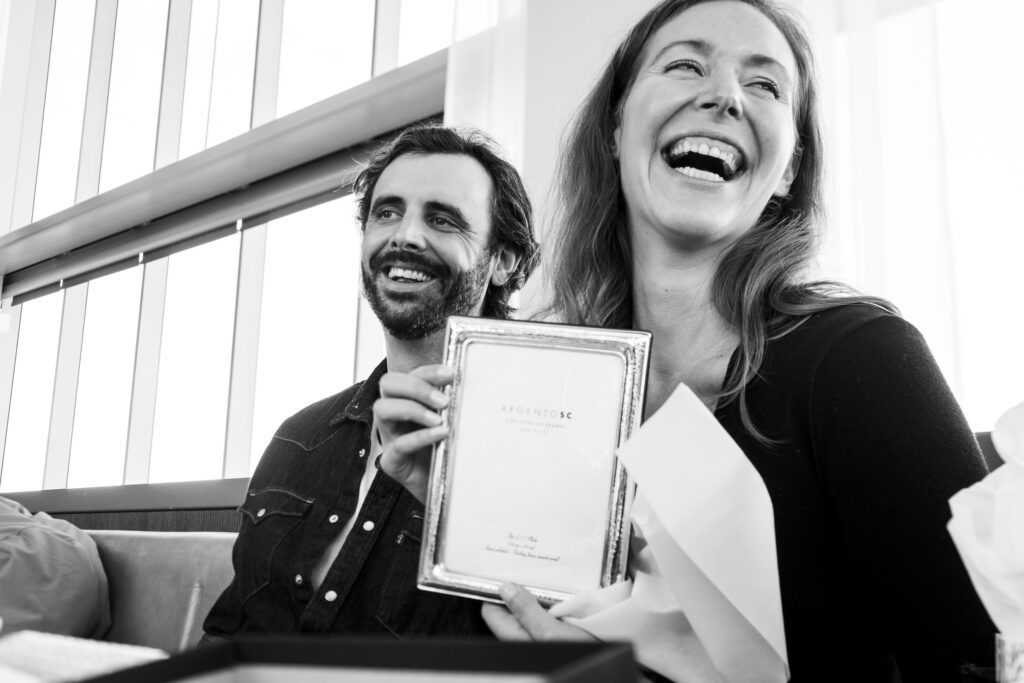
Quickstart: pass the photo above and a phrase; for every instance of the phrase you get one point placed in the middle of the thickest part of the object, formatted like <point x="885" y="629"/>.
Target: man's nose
<point x="722" y="94"/>
<point x="410" y="234"/>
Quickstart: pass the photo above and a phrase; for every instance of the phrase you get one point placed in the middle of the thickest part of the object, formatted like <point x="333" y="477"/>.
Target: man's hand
<point x="408" y="423"/>
<point x="523" y="618"/>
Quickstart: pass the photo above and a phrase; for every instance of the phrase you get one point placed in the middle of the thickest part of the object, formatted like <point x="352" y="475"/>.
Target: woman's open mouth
<point x="704" y="158"/>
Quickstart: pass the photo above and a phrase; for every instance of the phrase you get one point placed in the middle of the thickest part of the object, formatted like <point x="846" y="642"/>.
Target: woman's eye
<point x="684" y="65"/>
<point x="769" y="87"/>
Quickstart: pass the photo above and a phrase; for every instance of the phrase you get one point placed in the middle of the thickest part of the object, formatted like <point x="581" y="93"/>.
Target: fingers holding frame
<point x="408" y="423"/>
<point x="524" y="618"/>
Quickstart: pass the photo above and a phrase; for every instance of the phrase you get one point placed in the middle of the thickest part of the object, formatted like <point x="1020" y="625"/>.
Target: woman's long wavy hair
<point x="759" y="287"/>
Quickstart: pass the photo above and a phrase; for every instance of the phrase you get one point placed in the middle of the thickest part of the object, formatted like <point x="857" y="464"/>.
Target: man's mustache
<point x="396" y="258"/>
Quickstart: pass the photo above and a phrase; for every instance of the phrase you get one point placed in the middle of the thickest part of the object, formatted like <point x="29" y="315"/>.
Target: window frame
<point x="278" y="167"/>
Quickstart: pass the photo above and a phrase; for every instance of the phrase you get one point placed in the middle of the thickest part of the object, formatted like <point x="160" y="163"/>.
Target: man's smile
<point x="398" y="274"/>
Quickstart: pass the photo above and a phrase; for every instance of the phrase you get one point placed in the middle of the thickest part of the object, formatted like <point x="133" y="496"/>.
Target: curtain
<point x="921" y="118"/>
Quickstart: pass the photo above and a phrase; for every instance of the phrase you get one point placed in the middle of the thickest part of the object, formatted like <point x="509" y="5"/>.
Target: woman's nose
<point x="724" y="95"/>
<point x="410" y="234"/>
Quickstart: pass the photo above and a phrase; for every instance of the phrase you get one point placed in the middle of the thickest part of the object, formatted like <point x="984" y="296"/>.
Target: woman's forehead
<point x="724" y="27"/>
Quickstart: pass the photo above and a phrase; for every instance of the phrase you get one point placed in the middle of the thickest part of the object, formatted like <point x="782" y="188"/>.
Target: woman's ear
<point x="505" y="260"/>
<point x="789" y="176"/>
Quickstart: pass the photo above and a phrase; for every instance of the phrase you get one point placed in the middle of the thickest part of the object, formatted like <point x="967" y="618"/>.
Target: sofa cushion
<point x="162" y="584"/>
<point x="51" y="578"/>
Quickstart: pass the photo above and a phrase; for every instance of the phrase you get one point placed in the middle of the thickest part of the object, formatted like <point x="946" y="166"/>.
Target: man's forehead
<point x="456" y="179"/>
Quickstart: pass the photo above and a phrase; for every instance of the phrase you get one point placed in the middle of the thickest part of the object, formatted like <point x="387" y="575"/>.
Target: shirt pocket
<point x="405" y="610"/>
<point x="269" y="515"/>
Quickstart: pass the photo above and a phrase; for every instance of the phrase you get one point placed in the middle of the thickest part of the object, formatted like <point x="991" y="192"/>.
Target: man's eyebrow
<point x="386" y="199"/>
<point x="454" y="211"/>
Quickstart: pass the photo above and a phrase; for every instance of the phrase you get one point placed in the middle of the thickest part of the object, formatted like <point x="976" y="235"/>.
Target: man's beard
<point x="416" y="315"/>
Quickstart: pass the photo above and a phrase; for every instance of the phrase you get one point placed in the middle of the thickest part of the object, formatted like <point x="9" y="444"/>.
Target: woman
<point x="691" y="189"/>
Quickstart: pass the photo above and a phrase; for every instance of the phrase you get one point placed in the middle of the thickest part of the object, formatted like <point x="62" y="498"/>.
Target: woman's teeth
<point x="704" y="158"/>
<point x="703" y="175"/>
<point x="407" y="274"/>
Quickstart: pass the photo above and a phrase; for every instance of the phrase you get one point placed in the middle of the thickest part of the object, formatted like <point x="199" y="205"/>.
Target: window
<point x="66" y="82"/>
<point x="31" y="394"/>
<point x="195" y="360"/>
<point x="924" y="211"/>
<point x="913" y="182"/>
<point x="326" y="47"/>
<point x="150" y="386"/>
<point x="103" y="403"/>
<point x="310" y="294"/>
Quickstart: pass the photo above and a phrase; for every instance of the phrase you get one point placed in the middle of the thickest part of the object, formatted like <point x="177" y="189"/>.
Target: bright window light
<point x="944" y="241"/>
<point x="5" y="23"/>
<point x="32" y="393"/>
<point x="308" y="317"/>
<point x="195" y="363"/>
<point x="425" y="27"/>
<point x="326" y="47"/>
<point x="914" y="248"/>
<point x="985" y="180"/>
<point x="202" y="39"/>
<point x="129" y="140"/>
<point x="234" y="66"/>
<point x="103" y="404"/>
<point x="57" y="176"/>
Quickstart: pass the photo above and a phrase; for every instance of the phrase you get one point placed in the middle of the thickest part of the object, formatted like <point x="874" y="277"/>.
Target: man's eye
<point x="684" y="65"/>
<point x="384" y="214"/>
<point x="441" y="222"/>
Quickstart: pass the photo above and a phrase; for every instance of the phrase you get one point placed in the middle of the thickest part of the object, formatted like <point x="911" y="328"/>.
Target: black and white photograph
<point x="237" y="441"/>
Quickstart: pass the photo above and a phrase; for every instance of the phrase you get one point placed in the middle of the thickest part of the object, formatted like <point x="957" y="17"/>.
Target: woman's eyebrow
<point x="701" y="46"/>
<point x="704" y="48"/>
<point x="759" y="60"/>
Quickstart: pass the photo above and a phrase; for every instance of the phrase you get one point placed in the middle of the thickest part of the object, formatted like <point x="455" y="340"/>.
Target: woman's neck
<point x="692" y="343"/>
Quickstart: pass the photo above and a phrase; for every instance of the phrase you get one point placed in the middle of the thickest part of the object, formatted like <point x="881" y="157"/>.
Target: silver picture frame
<point x="526" y="487"/>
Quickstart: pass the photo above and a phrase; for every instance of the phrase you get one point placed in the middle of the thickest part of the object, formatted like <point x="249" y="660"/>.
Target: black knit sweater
<point x="873" y="447"/>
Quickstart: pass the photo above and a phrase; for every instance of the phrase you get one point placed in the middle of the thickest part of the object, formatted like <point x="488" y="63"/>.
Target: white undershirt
<point x="322" y="566"/>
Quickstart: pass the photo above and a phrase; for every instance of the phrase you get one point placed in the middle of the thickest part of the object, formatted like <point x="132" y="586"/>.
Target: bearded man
<point x="328" y="542"/>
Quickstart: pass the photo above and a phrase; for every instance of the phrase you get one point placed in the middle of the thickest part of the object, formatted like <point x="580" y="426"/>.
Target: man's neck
<point x="405" y="355"/>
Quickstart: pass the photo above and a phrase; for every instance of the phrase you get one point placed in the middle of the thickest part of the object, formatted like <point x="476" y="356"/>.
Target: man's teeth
<point x="406" y="274"/>
<point x="703" y="175"/>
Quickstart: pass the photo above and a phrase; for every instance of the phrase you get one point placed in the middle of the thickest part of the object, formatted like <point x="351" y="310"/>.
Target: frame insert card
<point x="526" y="487"/>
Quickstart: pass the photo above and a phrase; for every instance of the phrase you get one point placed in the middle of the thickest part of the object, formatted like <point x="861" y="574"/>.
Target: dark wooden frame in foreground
<point x="570" y="662"/>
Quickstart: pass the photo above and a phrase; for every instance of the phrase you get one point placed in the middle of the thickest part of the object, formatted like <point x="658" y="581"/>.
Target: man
<point x="328" y="542"/>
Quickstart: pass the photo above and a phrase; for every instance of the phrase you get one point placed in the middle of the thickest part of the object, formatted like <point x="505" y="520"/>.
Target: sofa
<point x="163" y="583"/>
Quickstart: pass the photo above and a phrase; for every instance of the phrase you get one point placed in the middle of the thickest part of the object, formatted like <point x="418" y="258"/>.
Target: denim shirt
<point x="303" y="492"/>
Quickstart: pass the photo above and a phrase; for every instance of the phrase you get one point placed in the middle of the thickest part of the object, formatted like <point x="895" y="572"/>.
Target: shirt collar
<point x="361" y="406"/>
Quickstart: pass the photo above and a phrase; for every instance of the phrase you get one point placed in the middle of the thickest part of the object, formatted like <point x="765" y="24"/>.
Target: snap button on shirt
<point x="262" y="511"/>
<point x="333" y="519"/>
<point x="330" y="596"/>
<point x="368" y="525"/>
<point x="298" y="579"/>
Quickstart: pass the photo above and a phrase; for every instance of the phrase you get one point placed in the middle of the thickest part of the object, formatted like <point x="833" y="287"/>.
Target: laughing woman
<point x="690" y="201"/>
<point x="691" y="188"/>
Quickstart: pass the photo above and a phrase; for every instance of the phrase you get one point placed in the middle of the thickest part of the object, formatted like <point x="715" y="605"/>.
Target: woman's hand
<point x="523" y="618"/>
<point x="408" y="423"/>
